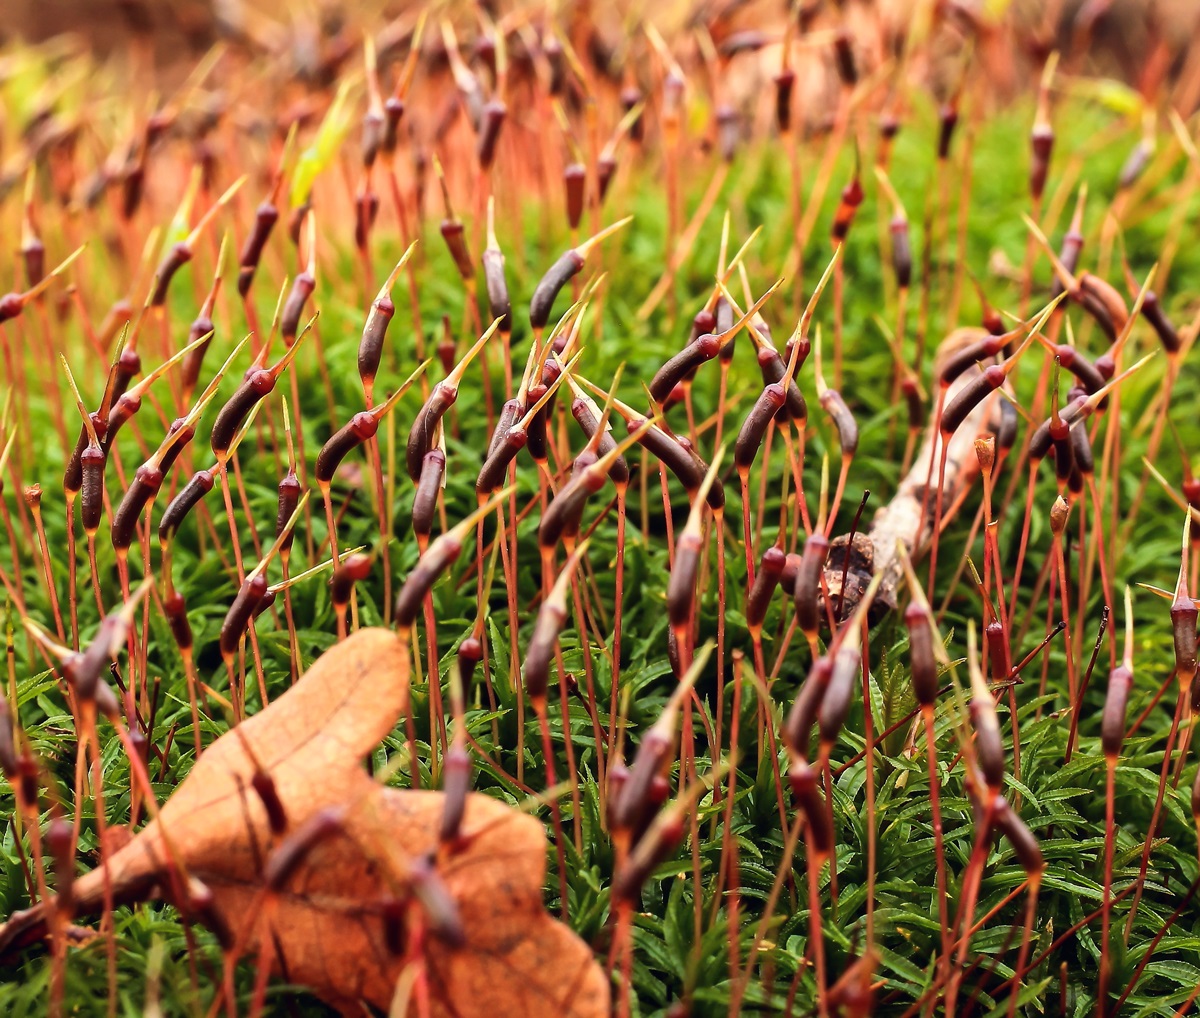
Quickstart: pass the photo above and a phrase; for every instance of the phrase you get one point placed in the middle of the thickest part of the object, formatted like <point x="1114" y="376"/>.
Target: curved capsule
<point x="539" y="655"/>
<point x="177" y="510"/>
<point x="257" y="384"/>
<point x="497" y="287"/>
<point x="1006" y="431"/>
<point x="424" y="429"/>
<point x="556" y="277"/>
<point x="677" y="367"/>
<point x="773" y="367"/>
<point x="971" y="354"/>
<point x="839" y="694"/>
<point x="456" y="783"/>
<point x="424" y="506"/>
<point x="494" y="112"/>
<point x="491" y="474"/>
<point x="175" y="608"/>
<point x="1112" y="721"/>
<point x="1081" y="451"/>
<point x="283" y="863"/>
<point x="902" y="261"/>
<point x="807" y="593"/>
<point x="921" y="657"/>
<point x="193" y="360"/>
<point x="362" y="426"/>
<point x="581" y="410"/>
<point x="750" y="437"/>
<point x="91" y="503"/>
<point x="681" y="586"/>
<point x="766" y="580"/>
<point x="288" y="497"/>
<point x="969" y="397"/>
<point x="293" y="307"/>
<point x="370" y="347"/>
<point x="144" y="486"/>
<point x="1154" y="314"/>
<point x="989" y="742"/>
<point x="510" y="413"/>
<point x="797" y="726"/>
<point x="251" y="592"/>
<point x="353" y="569"/>
<point x="73" y="473"/>
<point x="563" y="515"/>
<point x="1024" y="844"/>
<point x="843" y="420"/>
<point x="175" y="259"/>
<point x="454" y="234"/>
<point x="265" y="218"/>
<point x="802" y="778"/>
<point x="429" y="567"/>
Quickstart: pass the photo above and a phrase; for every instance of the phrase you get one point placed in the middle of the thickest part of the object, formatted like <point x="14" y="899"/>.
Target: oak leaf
<point x="325" y="929"/>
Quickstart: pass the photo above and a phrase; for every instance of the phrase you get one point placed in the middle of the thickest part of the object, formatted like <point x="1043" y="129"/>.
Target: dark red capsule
<point x="921" y="657"/>
<point x="456" y="783"/>
<point x="145" y="484"/>
<point x="352" y="569"/>
<point x="766" y="580"/>
<point x="293" y="307"/>
<point x="902" y="261"/>
<point x="470" y="653"/>
<point x="574" y="182"/>
<point x="393" y="112"/>
<point x="1041" y="141"/>
<point x="252" y="591"/>
<point x="947" y="122"/>
<point x="264" y="787"/>
<point x="175" y="608"/>
<point x="970" y="396"/>
<point x="200" y="484"/>
<point x="803" y="781"/>
<point x="424" y="430"/>
<point x="556" y="277"/>
<point x="179" y="255"/>
<point x="797" y="726"/>
<point x="425" y="573"/>
<point x="540" y="653"/>
<point x="750" y="437"/>
<point x="362" y="426"/>
<point x="489" y="132"/>
<point x="844" y="58"/>
<point x="454" y="234"/>
<point x="283" y="863"/>
<point x="843" y="420"/>
<point x="497" y="288"/>
<point x="1112" y="721"/>
<point x="433" y="469"/>
<point x="265" y="218"/>
<point x="255" y="386"/>
<point x="785" y="83"/>
<point x="807" y="592"/>
<point x="91" y="462"/>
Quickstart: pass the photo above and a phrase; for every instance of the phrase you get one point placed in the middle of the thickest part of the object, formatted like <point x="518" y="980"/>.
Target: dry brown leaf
<point x="325" y="929"/>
